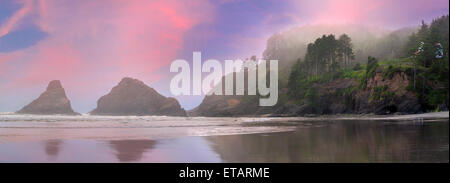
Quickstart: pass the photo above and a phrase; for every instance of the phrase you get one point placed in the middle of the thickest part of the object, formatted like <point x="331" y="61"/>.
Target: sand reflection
<point x="131" y="150"/>
<point x="52" y="148"/>
<point x="339" y="142"/>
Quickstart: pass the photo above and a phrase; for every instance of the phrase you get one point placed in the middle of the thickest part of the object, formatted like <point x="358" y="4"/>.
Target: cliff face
<point x="387" y="95"/>
<point x="52" y="101"/>
<point x="382" y="95"/>
<point x="133" y="97"/>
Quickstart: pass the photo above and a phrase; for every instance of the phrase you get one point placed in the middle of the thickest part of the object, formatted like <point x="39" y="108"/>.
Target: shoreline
<point x="14" y="127"/>
<point x="14" y="117"/>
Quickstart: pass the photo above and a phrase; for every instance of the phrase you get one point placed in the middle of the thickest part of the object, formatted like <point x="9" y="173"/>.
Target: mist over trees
<point x="328" y="54"/>
<point x="351" y="69"/>
<point x="423" y="56"/>
<point x="289" y="46"/>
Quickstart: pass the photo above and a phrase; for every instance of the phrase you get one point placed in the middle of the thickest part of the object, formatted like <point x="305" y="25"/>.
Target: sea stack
<point x="133" y="97"/>
<point x="52" y="101"/>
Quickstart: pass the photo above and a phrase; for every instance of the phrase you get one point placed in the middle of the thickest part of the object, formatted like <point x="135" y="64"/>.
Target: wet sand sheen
<point x="334" y="142"/>
<point x="141" y="139"/>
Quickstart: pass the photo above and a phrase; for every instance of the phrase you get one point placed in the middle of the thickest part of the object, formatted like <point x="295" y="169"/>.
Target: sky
<point x="90" y="45"/>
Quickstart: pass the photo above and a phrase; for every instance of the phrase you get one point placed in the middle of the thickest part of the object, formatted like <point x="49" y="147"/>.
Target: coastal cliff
<point x="382" y="95"/>
<point x="406" y="71"/>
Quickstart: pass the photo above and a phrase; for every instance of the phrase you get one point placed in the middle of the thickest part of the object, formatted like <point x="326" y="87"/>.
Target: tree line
<point x="327" y="54"/>
<point x="428" y="49"/>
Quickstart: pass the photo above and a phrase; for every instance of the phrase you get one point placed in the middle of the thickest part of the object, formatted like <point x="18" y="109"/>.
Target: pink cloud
<point x="91" y="45"/>
<point x="43" y="15"/>
<point x="52" y="61"/>
<point x="369" y="12"/>
<point x="13" y="21"/>
<point x="5" y="58"/>
<point x="347" y="11"/>
<point x="131" y="36"/>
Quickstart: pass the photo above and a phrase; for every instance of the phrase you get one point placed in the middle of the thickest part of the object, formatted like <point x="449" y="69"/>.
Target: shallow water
<point x="224" y="140"/>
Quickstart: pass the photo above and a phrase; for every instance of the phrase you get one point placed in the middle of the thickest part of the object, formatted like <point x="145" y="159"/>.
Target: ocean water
<point x="34" y="138"/>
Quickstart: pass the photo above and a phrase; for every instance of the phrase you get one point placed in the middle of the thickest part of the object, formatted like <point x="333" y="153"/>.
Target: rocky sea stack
<point x="52" y="101"/>
<point x="133" y="97"/>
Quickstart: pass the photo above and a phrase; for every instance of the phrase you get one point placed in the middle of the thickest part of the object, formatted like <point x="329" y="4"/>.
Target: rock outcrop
<point x="382" y="95"/>
<point x="133" y="97"/>
<point x="388" y="95"/>
<point x="232" y="105"/>
<point x="52" y="101"/>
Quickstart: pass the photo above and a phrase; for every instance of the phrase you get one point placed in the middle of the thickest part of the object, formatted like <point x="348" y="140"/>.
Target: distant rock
<point x="52" y="101"/>
<point x="133" y="97"/>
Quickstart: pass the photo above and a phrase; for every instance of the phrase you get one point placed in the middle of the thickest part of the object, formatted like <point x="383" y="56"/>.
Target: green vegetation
<point x="327" y="59"/>
<point x="348" y="93"/>
<point x="324" y="60"/>
<point x="431" y="71"/>
<point x="381" y="94"/>
<point x="353" y="74"/>
<point x="357" y="67"/>
<point x="371" y="68"/>
<point x="327" y="54"/>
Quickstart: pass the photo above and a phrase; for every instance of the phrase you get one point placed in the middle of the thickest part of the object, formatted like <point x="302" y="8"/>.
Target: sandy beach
<point x="339" y="138"/>
<point x="18" y="127"/>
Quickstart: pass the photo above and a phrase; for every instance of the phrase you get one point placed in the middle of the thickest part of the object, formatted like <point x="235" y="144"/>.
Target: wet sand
<point x="408" y="138"/>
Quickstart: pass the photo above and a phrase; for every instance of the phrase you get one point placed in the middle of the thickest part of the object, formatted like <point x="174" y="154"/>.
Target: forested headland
<point x="353" y="70"/>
